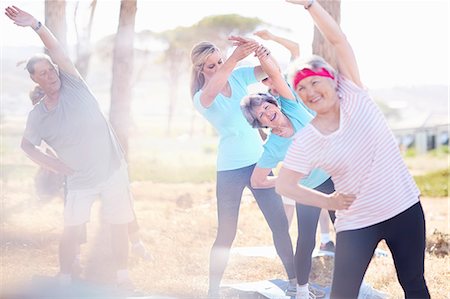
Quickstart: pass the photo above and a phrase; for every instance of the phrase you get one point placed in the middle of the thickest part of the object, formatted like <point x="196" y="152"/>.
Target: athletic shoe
<point x="329" y="246"/>
<point x="304" y="293"/>
<point x="291" y="289"/>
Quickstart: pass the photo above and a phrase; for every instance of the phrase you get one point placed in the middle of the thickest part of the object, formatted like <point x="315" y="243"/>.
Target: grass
<point x="434" y="184"/>
<point x="174" y="190"/>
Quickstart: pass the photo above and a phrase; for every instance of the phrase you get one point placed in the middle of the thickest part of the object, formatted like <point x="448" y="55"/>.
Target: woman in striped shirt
<point x="376" y="197"/>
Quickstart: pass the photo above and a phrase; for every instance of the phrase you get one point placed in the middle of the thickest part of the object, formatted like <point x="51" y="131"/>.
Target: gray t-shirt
<point x="78" y="132"/>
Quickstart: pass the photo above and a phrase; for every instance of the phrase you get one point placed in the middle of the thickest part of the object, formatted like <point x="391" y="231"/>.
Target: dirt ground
<point x="178" y="225"/>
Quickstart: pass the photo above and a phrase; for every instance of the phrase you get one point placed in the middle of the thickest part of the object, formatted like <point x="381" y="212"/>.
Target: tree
<point x="181" y="40"/>
<point x="83" y="46"/>
<point x="320" y="45"/>
<point x="55" y="20"/>
<point x="123" y="57"/>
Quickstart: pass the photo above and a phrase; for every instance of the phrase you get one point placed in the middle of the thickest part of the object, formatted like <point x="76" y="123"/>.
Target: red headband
<point x="304" y="73"/>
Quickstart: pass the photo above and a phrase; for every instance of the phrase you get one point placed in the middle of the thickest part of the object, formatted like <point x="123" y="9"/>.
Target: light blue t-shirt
<point x="276" y="147"/>
<point x="78" y="132"/>
<point x="239" y="144"/>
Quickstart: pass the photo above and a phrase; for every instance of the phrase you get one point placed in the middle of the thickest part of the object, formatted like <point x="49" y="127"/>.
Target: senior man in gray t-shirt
<point x="69" y="120"/>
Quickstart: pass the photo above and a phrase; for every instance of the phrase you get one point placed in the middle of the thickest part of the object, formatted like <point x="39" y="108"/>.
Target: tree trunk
<point x="321" y="46"/>
<point x="123" y="58"/>
<point x="55" y="20"/>
<point x="83" y="46"/>
<point x="174" y="68"/>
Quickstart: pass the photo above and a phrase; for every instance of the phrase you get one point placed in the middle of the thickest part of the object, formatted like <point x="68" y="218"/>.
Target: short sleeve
<point x="196" y="101"/>
<point x="296" y="158"/>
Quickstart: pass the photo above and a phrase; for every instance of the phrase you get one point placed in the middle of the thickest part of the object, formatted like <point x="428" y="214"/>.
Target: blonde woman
<point x="217" y="87"/>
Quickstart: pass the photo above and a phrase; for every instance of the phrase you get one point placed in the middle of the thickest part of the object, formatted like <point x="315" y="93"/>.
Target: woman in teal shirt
<point x="285" y="115"/>
<point x="217" y="88"/>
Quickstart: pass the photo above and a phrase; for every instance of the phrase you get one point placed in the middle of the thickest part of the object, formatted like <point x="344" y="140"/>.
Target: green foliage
<point x="215" y="29"/>
<point x="410" y="152"/>
<point x="440" y="152"/>
<point x="434" y="184"/>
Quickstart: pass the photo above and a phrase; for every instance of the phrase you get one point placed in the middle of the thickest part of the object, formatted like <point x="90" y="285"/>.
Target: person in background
<point x="376" y="196"/>
<point x="326" y="244"/>
<point x="217" y="86"/>
<point x="49" y="184"/>
<point x="68" y="119"/>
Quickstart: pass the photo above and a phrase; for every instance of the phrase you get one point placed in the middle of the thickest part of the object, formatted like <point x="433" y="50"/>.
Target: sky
<point x="397" y="43"/>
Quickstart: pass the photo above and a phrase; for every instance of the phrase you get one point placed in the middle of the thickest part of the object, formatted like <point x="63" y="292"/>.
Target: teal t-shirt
<point x="239" y="144"/>
<point x="275" y="147"/>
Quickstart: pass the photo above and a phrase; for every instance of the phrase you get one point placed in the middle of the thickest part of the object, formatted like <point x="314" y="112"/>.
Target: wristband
<point x="308" y="5"/>
<point x="38" y="25"/>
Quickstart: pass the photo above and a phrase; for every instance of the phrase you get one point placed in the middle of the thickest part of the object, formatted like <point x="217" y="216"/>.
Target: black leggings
<point x="307" y="219"/>
<point x="230" y="186"/>
<point x="405" y="237"/>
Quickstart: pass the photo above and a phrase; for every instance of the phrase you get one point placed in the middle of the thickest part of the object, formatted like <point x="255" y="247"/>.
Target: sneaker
<point x="329" y="246"/>
<point x="305" y="293"/>
<point x="366" y="291"/>
<point x="316" y="292"/>
<point x="291" y="289"/>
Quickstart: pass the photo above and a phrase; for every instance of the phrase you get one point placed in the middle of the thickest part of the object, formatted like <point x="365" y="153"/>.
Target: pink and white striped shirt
<point x="362" y="158"/>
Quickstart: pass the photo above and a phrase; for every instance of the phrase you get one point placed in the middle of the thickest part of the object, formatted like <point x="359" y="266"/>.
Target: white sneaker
<point x="304" y="293"/>
<point x="366" y="291"/>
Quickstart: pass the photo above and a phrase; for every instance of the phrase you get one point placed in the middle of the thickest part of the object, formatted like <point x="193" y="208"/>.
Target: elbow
<point x="339" y="39"/>
<point x="255" y="183"/>
<point x="280" y="187"/>
<point x="26" y="146"/>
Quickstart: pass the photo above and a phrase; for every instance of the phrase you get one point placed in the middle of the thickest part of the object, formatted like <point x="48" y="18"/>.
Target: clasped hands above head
<point x="260" y="50"/>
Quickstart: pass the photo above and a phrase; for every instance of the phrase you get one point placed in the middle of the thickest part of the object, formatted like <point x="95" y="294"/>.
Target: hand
<point x="302" y="2"/>
<point x="62" y="168"/>
<point x="264" y="34"/>
<point x="20" y="17"/>
<point x="240" y="40"/>
<point x="340" y="201"/>
<point x="243" y="50"/>
<point x="262" y="53"/>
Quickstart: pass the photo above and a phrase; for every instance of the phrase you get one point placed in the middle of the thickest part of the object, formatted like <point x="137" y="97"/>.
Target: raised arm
<point x="55" y="50"/>
<point x="272" y="69"/>
<point x="346" y="59"/>
<point x="217" y="82"/>
<point x="292" y="46"/>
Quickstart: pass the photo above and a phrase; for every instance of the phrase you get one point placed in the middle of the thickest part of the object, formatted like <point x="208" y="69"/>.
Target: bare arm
<point x="272" y="69"/>
<point x="216" y="83"/>
<point x="55" y="50"/>
<point x="292" y="46"/>
<point x="260" y="178"/>
<point x="287" y="185"/>
<point x="43" y="160"/>
<point x="347" y="64"/>
<point x="269" y="67"/>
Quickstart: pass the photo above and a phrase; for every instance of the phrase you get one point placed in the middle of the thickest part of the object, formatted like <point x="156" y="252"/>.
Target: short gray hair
<point x="255" y="100"/>
<point x="35" y="59"/>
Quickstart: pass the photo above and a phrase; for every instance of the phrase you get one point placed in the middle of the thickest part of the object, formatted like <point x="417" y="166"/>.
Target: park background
<point x="402" y="49"/>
